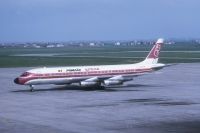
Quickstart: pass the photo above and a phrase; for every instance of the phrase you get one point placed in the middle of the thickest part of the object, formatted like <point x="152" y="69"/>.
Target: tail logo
<point x="154" y="53"/>
<point x="157" y="50"/>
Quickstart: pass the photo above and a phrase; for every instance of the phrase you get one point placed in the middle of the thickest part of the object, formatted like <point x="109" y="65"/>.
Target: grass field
<point x="69" y="56"/>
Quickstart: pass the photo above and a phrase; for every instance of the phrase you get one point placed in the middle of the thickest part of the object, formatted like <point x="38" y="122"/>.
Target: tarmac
<point x="164" y="101"/>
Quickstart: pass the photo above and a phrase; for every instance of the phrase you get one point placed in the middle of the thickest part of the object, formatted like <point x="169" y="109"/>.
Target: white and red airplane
<point x="105" y="75"/>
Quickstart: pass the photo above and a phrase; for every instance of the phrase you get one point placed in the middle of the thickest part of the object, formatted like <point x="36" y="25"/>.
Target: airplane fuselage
<point x="67" y="75"/>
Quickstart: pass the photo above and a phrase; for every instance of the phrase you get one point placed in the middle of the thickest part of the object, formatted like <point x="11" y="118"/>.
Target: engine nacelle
<point x="112" y="82"/>
<point x="88" y="83"/>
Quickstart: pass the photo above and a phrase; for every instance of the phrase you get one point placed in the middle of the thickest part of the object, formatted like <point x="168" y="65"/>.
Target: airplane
<point x="88" y="76"/>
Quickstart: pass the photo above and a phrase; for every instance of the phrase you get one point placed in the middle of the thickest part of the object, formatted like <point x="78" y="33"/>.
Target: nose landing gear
<point x="31" y="88"/>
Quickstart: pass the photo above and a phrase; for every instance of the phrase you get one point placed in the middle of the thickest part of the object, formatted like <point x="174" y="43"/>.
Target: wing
<point x="105" y="80"/>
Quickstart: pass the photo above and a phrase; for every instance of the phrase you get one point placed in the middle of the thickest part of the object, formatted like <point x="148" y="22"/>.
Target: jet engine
<point x="112" y="82"/>
<point x="88" y="83"/>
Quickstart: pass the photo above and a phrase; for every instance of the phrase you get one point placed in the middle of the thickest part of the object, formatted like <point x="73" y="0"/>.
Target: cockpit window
<point x="25" y="74"/>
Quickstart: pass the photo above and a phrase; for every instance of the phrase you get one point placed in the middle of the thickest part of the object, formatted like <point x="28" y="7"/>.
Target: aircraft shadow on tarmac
<point x="135" y="87"/>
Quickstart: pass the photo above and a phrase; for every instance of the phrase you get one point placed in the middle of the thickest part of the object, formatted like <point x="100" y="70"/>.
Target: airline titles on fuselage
<point x="92" y="69"/>
<point x="78" y="69"/>
<point x="73" y="69"/>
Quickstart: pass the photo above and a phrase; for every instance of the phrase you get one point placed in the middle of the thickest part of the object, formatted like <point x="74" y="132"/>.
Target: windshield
<point x="25" y="74"/>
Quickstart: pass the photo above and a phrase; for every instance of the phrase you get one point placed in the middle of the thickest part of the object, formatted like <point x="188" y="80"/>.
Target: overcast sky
<point x="65" y="20"/>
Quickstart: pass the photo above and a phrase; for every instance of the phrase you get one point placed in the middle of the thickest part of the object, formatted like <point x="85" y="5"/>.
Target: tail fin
<point x="152" y="57"/>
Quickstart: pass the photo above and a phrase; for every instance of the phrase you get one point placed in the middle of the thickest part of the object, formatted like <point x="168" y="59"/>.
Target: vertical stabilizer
<point x="153" y="56"/>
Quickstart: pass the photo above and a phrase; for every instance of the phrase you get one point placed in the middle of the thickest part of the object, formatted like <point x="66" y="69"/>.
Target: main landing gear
<point x="31" y="88"/>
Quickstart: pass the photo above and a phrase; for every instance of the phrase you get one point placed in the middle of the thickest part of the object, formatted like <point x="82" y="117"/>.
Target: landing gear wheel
<point x="31" y="88"/>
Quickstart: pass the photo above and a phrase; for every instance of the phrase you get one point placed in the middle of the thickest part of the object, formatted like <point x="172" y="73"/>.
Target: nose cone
<point x="16" y="81"/>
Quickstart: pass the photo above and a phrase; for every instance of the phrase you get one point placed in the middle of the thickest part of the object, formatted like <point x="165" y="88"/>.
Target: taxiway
<point x="165" y="101"/>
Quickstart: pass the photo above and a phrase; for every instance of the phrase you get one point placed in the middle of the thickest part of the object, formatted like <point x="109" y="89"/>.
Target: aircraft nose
<point x="16" y="81"/>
